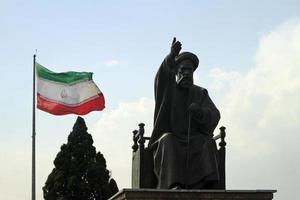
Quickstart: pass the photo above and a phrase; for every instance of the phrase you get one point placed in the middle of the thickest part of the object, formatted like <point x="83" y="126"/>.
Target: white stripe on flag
<point x="68" y="94"/>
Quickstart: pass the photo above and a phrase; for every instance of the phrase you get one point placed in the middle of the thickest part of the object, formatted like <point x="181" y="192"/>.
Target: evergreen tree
<point x="80" y="172"/>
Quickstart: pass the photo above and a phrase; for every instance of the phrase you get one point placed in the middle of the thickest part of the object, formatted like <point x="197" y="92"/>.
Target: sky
<point x="249" y="54"/>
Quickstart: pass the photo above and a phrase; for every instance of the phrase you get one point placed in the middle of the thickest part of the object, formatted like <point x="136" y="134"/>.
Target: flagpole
<point x="33" y="134"/>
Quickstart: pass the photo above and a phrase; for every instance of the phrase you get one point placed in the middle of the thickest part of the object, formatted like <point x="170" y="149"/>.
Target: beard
<point x="185" y="81"/>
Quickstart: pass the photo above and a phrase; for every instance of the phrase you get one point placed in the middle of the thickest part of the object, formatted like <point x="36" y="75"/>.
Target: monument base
<point x="151" y="194"/>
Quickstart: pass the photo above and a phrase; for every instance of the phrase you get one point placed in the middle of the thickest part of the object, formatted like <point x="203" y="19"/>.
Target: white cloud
<point x="111" y="63"/>
<point x="222" y="79"/>
<point x="113" y="136"/>
<point x="261" y="111"/>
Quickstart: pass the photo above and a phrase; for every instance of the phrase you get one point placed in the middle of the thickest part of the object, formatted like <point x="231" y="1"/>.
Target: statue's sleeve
<point x="165" y="76"/>
<point x="164" y="79"/>
<point x="163" y="88"/>
<point x="208" y="115"/>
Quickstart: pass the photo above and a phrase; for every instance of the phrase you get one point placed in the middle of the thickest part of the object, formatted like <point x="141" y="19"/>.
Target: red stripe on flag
<point x="55" y="108"/>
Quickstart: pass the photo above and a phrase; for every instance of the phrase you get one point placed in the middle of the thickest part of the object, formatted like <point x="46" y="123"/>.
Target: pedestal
<point x="152" y="194"/>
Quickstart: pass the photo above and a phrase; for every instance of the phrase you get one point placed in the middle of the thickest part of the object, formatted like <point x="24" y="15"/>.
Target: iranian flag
<point x="67" y="92"/>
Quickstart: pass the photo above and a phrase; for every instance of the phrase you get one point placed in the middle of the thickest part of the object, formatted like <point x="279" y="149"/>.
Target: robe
<point x="183" y="149"/>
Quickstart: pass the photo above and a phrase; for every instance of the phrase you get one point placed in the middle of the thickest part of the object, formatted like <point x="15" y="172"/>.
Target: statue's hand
<point x="194" y="109"/>
<point x="175" y="48"/>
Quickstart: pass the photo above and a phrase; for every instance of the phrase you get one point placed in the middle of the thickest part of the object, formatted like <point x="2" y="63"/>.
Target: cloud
<point x="222" y="79"/>
<point x="113" y="136"/>
<point x="261" y="111"/>
<point x="111" y="63"/>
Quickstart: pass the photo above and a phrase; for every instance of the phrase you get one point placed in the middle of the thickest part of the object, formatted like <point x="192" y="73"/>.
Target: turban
<point x="187" y="56"/>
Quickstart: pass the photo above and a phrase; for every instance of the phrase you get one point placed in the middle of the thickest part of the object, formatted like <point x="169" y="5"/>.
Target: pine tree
<point x="80" y="172"/>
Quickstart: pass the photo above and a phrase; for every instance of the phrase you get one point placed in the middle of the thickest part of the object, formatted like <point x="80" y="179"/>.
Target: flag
<point x="67" y="92"/>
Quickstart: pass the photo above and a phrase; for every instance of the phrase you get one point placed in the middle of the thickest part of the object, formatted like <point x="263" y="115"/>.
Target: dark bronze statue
<point x="184" y="120"/>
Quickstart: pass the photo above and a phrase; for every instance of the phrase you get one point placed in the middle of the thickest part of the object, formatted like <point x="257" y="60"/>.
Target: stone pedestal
<point x="151" y="194"/>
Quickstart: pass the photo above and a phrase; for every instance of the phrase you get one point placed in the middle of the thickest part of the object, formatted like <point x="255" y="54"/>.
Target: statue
<point x="185" y="117"/>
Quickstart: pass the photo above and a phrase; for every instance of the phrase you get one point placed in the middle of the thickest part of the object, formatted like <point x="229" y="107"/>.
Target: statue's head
<point x="186" y="64"/>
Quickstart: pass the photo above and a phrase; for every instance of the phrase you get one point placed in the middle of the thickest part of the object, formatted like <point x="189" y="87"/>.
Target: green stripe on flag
<point x="64" y="77"/>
